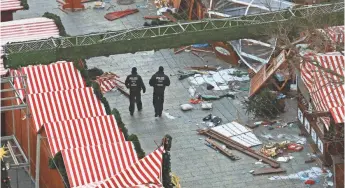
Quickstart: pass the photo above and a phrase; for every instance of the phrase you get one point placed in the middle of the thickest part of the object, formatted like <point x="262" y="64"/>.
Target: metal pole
<point x="38" y="156"/>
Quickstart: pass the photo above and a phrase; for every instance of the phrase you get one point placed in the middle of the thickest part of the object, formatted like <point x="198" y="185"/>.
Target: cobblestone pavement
<point x="196" y="164"/>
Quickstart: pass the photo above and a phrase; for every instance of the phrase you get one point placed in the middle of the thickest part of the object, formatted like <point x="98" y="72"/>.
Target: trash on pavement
<point x="314" y="174"/>
<point x="206" y="106"/>
<point x="208" y="117"/>
<point x="186" y="107"/>
<point x="295" y="147"/>
<point x="192" y="91"/>
<point x="195" y="101"/>
<point x="218" y="79"/>
<point x="309" y="182"/>
<point x="168" y="115"/>
<point x="284" y="159"/>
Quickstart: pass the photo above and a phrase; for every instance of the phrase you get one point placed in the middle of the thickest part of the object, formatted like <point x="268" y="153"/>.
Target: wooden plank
<point x="235" y="145"/>
<point x="152" y="17"/>
<point x="261" y="171"/>
<point x="225" y="150"/>
<point x="265" y="73"/>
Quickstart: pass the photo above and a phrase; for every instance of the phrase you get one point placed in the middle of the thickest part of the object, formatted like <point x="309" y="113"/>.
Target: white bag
<point x="186" y="107"/>
<point x="206" y="106"/>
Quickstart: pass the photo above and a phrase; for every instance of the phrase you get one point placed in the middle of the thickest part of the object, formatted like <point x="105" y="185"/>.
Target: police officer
<point x="159" y="81"/>
<point x="135" y="83"/>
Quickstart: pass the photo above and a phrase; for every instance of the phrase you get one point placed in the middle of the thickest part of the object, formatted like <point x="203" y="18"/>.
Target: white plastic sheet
<point x="219" y="80"/>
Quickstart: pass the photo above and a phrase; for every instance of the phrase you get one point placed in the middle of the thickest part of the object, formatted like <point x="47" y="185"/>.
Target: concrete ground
<point x="196" y="164"/>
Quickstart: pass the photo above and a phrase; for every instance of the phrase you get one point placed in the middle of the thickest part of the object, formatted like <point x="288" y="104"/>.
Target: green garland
<point x="25" y="4"/>
<point x="57" y="20"/>
<point x="166" y="169"/>
<point x="119" y="122"/>
<point x="137" y="146"/>
<point x="57" y="163"/>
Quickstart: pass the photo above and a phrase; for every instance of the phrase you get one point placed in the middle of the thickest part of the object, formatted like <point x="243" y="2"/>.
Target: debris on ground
<point x="273" y="149"/>
<point x="204" y="68"/>
<point x="186" y="107"/>
<point x="206" y="106"/>
<point x="262" y="171"/>
<point x="119" y="14"/>
<point x="195" y="101"/>
<point x="238" y="133"/>
<point x="192" y="91"/>
<point x="168" y="115"/>
<point x="218" y="79"/>
<point x="312" y="174"/>
<point x="108" y="81"/>
<point x="284" y="159"/>
<point x="223" y="149"/>
<point x="229" y="142"/>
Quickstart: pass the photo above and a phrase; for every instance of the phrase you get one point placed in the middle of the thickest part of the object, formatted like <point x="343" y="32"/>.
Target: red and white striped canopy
<point x="107" y="81"/>
<point x="336" y="33"/>
<point x="327" y="91"/>
<point x="10" y="5"/>
<point x="23" y="30"/>
<point x="95" y="163"/>
<point x="64" y="105"/>
<point x="82" y="132"/>
<point x="145" y="171"/>
<point x="57" y="76"/>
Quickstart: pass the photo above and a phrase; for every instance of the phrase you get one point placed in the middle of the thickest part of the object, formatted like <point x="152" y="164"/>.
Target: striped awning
<point x="82" y="132"/>
<point x="10" y="5"/>
<point x="146" y="171"/>
<point x="24" y="29"/>
<point x="107" y="81"/>
<point x="336" y="33"/>
<point x="57" y="76"/>
<point x="95" y="163"/>
<point x="64" y="105"/>
<point x="327" y="91"/>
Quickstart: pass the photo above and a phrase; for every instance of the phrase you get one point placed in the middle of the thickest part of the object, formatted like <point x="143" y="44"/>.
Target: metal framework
<point x="177" y="31"/>
<point x="18" y="158"/>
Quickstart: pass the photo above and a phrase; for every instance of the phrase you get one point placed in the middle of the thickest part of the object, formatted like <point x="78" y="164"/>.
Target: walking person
<point x="135" y="84"/>
<point x="159" y="81"/>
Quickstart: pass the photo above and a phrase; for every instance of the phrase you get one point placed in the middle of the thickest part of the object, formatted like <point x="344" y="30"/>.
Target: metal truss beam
<point x="166" y="36"/>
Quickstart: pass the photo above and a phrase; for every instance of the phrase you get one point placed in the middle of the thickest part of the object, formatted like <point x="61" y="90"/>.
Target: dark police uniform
<point x="159" y="81"/>
<point x="134" y="83"/>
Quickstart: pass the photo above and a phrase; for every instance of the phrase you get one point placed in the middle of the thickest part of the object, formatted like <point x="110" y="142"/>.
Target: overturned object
<point x="186" y="107"/>
<point x="119" y="14"/>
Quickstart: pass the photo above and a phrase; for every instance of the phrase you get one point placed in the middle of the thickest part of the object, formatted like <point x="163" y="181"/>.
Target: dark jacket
<point x="159" y="81"/>
<point x="134" y="82"/>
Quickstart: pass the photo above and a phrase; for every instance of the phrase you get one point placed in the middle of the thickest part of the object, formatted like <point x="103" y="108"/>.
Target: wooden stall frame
<point x="8" y="106"/>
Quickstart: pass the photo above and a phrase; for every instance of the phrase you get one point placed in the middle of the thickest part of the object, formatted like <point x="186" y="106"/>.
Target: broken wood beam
<point x="207" y="68"/>
<point x="154" y="17"/>
<point x="176" y="51"/>
<point x="235" y="145"/>
<point x="225" y="150"/>
<point x="261" y="171"/>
